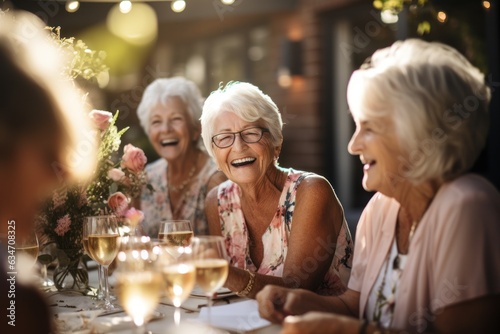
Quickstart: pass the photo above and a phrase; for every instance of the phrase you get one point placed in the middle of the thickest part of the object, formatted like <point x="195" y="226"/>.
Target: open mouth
<point x="242" y="162"/>
<point x="169" y="142"/>
<point x="369" y="164"/>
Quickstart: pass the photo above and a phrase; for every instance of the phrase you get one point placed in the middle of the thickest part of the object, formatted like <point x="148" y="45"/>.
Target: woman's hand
<point x="320" y="322"/>
<point x="276" y="302"/>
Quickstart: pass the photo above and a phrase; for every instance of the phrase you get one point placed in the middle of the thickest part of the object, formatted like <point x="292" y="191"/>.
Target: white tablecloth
<point x="71" y="302"/>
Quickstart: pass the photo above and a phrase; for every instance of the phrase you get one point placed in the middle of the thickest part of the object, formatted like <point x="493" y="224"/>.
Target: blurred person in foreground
<point x="427" y="253"/>
<point x="282" y="226"/>
<point x="42" y="125"/>
<point x="169" y="113"/>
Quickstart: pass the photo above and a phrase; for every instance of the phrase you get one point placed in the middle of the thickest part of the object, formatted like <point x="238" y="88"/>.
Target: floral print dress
<point x="156" y="205"/>
<point x="275" y="238"/>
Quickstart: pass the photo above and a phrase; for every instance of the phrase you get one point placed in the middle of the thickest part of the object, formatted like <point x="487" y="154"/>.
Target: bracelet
<point x="248" y="288"/>
<point x="363" y="326"/>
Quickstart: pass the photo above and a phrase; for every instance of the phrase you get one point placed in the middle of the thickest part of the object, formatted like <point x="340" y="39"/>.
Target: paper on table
<point x="239" y="316"/>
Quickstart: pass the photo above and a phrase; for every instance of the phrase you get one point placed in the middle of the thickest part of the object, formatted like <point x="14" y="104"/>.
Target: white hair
<point x="437" y="99"/>
<point x="161" y="89"/>
<point x="248" y="102"/>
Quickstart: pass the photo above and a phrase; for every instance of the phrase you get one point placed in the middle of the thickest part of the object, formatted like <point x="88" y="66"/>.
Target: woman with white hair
<point x="427" y="252"/>
<point x="282" y="226"/>
<point x="169" y="113"/>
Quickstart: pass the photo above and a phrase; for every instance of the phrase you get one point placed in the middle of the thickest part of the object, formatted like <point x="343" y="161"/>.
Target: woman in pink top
<point x="427" y="253"/>
<point x="281" y="226"/>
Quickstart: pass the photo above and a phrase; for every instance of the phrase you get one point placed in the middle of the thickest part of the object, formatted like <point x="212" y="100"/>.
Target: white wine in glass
<point x="27" y="248"/>
<point x="179" y="275"/>
<point x="139" y="281"/>
<point x="210" y="260"/>
<point x="175" y="233"/>
<point x="103" y="246"/>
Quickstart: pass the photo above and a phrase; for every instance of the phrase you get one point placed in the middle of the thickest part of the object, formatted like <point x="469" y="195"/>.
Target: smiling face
<point x="170" y="129"/>
<point x="378" y="147"/>
<point x="243" y="163"/>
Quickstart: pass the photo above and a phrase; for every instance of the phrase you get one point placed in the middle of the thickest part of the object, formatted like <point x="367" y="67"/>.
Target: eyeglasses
<point x="250" y="135"/>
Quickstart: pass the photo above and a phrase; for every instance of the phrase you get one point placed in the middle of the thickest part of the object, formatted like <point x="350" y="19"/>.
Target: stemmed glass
<point x="45" y="258"/>
<point x="139" y="281"/>
<point x="99" y="294"/>
<point x="210" y="260"/>
<point x="27" y="247"/>
<point x="103" y="245"/>
<point x="179" y="275"/>
<point x="175" y="232"/>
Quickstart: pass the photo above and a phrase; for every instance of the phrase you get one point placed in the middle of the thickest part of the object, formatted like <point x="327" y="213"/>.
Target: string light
<point x="441" y="16"/>
<point x="72" y="6"/>
<point x="486" y="4"/>
<point x="178" y="6"/>
<point x="125" y="6"/>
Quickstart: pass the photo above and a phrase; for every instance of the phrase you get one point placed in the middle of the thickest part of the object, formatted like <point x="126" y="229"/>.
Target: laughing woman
<point x="169" y="114"/>
<point x="282" y="226"/>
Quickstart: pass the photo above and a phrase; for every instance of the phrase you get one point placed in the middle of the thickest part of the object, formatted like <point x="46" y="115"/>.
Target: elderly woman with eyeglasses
<point x="281" y="226"/>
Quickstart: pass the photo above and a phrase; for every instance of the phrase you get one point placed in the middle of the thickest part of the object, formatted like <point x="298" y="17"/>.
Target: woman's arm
<point x="317" y="220"/>
<point x="212" y="212"/>
<point x="276" y="303"/>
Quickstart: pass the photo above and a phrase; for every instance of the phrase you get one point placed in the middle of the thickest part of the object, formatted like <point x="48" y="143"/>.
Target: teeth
<point x="241" y="161"/>
<point x="168" y="141"/>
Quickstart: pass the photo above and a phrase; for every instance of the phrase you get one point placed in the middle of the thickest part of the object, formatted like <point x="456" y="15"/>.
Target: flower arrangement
<point x="112" y="185"/>
<point x="109" y="192"/>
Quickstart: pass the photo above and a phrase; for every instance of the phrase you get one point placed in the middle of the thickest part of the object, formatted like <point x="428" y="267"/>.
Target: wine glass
<point x="210" y="260"/>
<point x="175" y="232"/>
<point x="46" y="257"/>
<point x="27" y="249"/>
<point x="99" y="294"/>
<point x="139" y="281"/>
<point x="103" y="245"/>
<point x="179" y="275"/>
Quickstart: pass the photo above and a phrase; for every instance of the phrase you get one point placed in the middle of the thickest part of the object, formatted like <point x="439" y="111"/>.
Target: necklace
<point x="382" y="300"/>
<point x="184" y="183"/>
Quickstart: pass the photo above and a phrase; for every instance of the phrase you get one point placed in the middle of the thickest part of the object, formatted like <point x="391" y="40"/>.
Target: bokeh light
<point x="138" y="27"/>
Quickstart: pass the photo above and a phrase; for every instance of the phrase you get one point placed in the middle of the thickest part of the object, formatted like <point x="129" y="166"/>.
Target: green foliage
<point x="82" y="61"/>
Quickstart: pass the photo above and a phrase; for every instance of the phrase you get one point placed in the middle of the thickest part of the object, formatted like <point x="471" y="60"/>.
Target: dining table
<point x="78" y="312"/>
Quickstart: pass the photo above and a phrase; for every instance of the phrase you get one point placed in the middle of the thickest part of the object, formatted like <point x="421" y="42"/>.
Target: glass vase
<point x="71" y="273"/>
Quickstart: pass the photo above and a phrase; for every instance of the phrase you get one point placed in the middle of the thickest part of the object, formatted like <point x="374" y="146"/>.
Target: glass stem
<point x="177" y="316"/>
<point x="100" y="289"/>
<point x="209" y="310"/>
<point x="107" y="302"/>
<point x="44" y="272"/>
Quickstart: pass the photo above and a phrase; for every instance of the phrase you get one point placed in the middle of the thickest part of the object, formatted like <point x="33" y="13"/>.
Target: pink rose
<point x="118" y="202"/>
<point x="134" y="216"/>
<point x="133" y="158"/>
<point x="101" y="118"/>
<point x="116" y="174"/>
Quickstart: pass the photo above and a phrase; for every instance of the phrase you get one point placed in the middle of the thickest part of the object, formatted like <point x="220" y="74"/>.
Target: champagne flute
<point x="103" y="244"/>
<point x="139" y="281"/>
<point x="179" y="275"/>
<point x="210" y="260"/>
<point x="99" y="294"/>
<point x="175" y="232"/>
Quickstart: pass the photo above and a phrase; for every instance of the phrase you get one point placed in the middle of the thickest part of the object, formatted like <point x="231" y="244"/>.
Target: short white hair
<point x="161" y="89"/>
<point x="248" y="102"/>
<point x="437" y="99"/>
